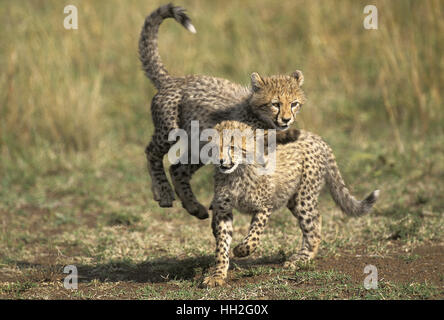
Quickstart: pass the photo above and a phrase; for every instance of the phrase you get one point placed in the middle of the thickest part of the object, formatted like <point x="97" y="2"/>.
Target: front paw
<point x="197" y="210"/>
<point x="213" y="281"/>
<point x="291" y="265"/>
<point x="297" y="261"/>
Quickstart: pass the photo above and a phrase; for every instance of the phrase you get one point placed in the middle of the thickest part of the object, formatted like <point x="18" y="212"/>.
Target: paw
<point x="197" y="210"/>
<point x="241" y="250"/>
<point x="297" y="261"/>
<point x="166" y="197"/>
<point x="291" y="265"/>
<point x="213" y="281"/>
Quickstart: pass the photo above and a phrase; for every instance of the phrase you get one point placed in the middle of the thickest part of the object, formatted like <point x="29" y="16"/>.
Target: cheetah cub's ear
<point x="256" y="81"/>
<point x="299" y="77"/>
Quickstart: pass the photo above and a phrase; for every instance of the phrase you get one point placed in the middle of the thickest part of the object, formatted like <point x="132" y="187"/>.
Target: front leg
<point x="251" y="241"/>
<point x="222" y="225"/>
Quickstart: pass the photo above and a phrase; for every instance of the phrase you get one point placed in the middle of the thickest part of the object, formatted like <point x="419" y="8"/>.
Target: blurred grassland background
<point x="65" y="91"/>
<point x="75" y="119"/>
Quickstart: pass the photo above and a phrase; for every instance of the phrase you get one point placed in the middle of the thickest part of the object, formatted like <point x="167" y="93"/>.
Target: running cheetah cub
<point x="303" y="163"/>
<point x="270" y="102"/>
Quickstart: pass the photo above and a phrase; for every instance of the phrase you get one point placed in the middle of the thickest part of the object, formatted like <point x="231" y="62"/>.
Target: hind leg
<point x="181" y="176"/>
<point x="304" y="207"/>
<point x="164" y="109"/>
<point x="161" y="188"/>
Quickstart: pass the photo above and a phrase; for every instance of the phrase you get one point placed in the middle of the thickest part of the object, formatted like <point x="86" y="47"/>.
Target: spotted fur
<point x="304" y="163"/>
<point x="270" y="102"/>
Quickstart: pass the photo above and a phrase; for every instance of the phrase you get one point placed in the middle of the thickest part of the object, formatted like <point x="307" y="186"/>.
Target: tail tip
<point x="367" y="203"/>
<point x="190" y="27"/>
<point x="376" y="194"/>
<point x="371" y="199"/>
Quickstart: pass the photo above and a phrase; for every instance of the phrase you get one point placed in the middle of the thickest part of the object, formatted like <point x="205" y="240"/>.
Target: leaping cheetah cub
<point x="304" y="162"/>
<point x="270" y="102"/>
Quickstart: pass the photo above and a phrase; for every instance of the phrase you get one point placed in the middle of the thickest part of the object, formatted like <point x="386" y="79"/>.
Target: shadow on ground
<point x="160" y="270"/>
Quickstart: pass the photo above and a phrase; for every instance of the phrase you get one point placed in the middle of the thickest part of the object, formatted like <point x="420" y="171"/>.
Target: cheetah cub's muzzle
<point x="227" y="167"/>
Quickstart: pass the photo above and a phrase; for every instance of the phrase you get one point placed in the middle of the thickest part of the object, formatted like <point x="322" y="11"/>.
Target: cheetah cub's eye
<point x="277" y="105"/>
<point x="296" y="106"/>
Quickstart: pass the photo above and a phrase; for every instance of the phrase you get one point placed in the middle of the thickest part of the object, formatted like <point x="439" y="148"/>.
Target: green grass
<point x="403" y="291"/>
<point x="16" y="289"/>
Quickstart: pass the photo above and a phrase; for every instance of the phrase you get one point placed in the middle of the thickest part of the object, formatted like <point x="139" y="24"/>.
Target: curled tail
<point x="341" y="195"/>
<point x="148" y="49"/>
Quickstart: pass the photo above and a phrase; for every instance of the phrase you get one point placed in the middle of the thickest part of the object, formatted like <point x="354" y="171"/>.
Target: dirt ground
<point x="421" y="264"/>
<point x="44" y="278"/>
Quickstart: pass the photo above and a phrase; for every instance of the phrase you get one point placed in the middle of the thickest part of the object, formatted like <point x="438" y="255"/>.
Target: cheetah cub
<point x="269" y="103"/>
<point x="303" y="163"/>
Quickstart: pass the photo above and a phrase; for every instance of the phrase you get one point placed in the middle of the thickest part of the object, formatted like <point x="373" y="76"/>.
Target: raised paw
<point x="166" y="197"/>
<point x="197" y="210"/>
<point x="241" y="250"/>
<point x="213" y="281"/>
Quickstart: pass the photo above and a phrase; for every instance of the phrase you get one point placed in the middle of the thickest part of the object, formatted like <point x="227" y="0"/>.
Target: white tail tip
<point x="376" y="193"/>
<point x="191" y="28"/>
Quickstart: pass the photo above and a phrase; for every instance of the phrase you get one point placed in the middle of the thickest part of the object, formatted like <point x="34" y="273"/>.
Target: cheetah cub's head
<point x="277" y="99"/>
<point x="238" y="146"/>
<point x="233" y="141"/>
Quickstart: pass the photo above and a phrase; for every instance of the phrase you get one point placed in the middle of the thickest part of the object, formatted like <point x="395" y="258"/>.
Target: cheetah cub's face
<point x="237" y="146"/>
<point x="277" y="99"/>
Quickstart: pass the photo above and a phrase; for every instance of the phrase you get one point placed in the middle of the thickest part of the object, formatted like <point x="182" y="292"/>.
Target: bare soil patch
<point x="422" y="264"/>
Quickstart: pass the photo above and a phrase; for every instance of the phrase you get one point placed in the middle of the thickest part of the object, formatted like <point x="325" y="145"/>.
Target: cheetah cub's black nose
<point x="286" y="120"/>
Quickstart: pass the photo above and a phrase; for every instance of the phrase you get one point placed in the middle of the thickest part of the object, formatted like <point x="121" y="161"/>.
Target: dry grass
<point x="75" y="89"/>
